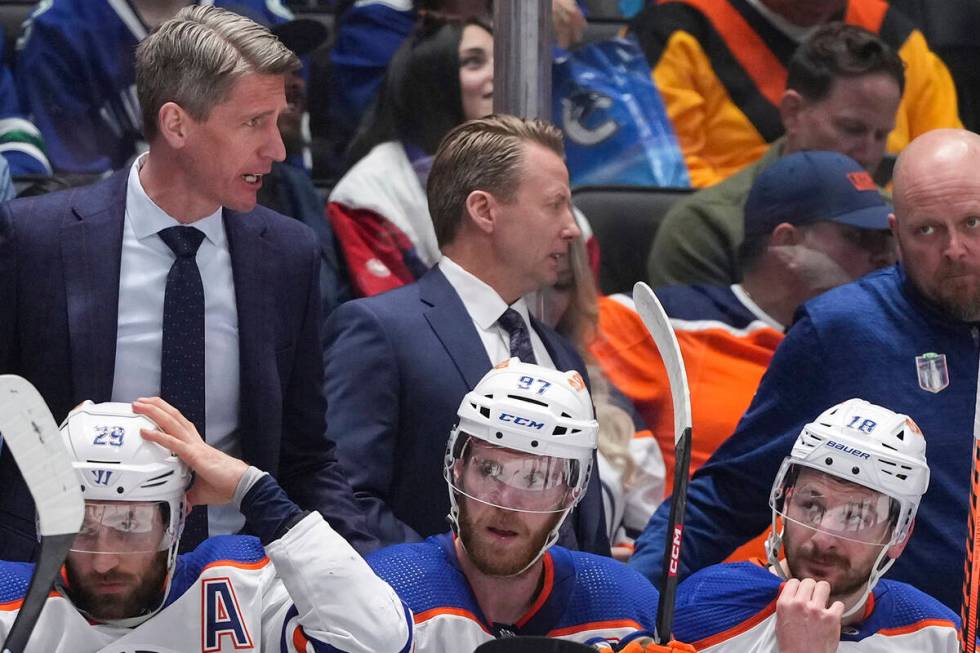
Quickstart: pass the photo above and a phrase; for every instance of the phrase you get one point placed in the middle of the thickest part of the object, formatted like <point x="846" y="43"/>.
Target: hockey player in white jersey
<point x="843" y="508"/>
<point x="298" y="586"/>
<point x="516" y="464"/>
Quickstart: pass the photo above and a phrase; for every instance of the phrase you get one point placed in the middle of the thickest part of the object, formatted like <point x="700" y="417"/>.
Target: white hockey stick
<point x="32" y="436"/>
<point x="658" y="324"/>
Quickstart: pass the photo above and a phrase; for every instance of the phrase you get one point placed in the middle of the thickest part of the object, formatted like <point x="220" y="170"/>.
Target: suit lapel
<point x="91" y="250"/>
<point x="252" y="259"/>
<point x="453" y="326"/>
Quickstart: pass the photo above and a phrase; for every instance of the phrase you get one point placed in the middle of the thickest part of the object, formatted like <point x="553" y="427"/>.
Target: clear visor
<point x="124" y="527"/>
<point x="840" y="508"/>
<point x="514" y="480"/>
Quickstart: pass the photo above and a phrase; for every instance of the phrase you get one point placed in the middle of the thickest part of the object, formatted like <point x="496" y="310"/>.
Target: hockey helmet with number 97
<point x="129" y="484"/>
<point x="525" y="441"/>
<point x="864" y="445"/>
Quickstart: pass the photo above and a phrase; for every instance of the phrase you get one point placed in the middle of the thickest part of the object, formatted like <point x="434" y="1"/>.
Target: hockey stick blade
<point x="32" y="436"/>
<point x="658" y="324"/>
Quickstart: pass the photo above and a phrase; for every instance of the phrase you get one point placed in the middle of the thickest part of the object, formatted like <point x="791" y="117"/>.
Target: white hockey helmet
<point x="117" y="466"/>
<point x="522" y="408"/>
<point x="868" y="445"/>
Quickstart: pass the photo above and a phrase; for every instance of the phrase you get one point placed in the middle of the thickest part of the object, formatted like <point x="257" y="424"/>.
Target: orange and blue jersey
<point x="584" y="597"/>
<point x="732" y="607"/>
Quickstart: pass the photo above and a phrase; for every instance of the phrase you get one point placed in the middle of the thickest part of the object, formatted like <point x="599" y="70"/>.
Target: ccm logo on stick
<point x="521" y="421"/>
<point x="675" y="551"/>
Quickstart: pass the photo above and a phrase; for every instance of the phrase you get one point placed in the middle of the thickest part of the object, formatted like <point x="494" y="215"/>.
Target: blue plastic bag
<point x="616" y="128"/>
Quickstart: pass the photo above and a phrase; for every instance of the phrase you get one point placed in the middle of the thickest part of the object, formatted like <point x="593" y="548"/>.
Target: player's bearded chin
<point x="142" y="596"/>
<point x="485" y="554"/>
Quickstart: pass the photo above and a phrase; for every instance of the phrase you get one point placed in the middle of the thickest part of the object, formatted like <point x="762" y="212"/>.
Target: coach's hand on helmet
<point x="216" y="473"/>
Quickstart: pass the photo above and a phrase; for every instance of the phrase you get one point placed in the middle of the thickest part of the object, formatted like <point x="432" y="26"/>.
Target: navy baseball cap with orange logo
<point x="812" y="186"/>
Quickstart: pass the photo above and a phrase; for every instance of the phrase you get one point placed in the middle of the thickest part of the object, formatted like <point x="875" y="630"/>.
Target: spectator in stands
<point x="512" y="483"/>
<point x="720" y="66"/>
<point x="814" y="220"/>
<point x="843" y="90"/>
<point x="631" y="466"/>
<point x="21" y="144"/>
<point x="167" y="279"/>
<point x="440" y="78"/>
<point x="841" y="520"/>
<point x="905" y="336"/>
<point x="76" y="78"/>
<point x="369" y="33"/>
<point x="398" y="364"/>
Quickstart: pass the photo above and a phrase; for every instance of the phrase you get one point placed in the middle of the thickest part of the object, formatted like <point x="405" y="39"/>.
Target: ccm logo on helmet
<point x="847" y="449"/>
<point x="521" y="421"/>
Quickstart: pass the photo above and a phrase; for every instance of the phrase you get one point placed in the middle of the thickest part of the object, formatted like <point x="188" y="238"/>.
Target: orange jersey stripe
<point x="766" y="71"/>
<point x="748" y="624"/>
<point x="432" y="613"/>
<point x="596" y="625"/>
<point x="237" y="564"/>
<point x="917" y="626"/>
<point x="10" y="606"/>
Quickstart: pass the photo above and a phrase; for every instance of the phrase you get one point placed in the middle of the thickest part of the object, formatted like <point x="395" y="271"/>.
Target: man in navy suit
<point x="398" y="364"/>
<point x="85" y="278"/>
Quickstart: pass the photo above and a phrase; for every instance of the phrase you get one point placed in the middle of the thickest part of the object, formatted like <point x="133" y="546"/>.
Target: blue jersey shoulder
<point x="720" y="597"/>
<point x="234" y="549"/>
<point x="14" y="579"/>
<point x="603" y="590"/>
<point x="899" y="605"/>
<point x="424" y="575"/>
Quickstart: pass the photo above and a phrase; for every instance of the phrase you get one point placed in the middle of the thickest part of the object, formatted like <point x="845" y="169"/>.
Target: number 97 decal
<point x="527" y="383"/>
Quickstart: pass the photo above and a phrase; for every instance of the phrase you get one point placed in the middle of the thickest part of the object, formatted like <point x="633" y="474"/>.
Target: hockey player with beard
<point x="298" y="586"/>
<point x="843" y="506"/>
<point x="517" y="462"/>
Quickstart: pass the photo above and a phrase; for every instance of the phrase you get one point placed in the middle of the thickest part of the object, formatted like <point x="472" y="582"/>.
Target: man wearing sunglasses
<point x="843" y="507"/>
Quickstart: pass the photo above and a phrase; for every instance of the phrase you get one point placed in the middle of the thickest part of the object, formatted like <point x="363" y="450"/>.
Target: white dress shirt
<point x="146" y="261"/>
<point x="484" y="306"/>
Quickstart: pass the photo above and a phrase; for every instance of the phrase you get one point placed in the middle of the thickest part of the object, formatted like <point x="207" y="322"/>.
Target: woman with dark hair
<point x="440" y="77"/>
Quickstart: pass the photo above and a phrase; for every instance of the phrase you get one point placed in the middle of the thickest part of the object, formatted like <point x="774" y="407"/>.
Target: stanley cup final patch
<point x="932" y="371"/>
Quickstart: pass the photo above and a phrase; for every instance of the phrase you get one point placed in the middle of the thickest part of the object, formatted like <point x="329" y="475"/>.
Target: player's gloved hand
<point x="216" y="474"/>
<point x="804" y="622"/>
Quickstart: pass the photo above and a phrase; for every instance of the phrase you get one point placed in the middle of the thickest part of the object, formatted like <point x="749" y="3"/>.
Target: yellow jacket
<point x="721" y="69"/>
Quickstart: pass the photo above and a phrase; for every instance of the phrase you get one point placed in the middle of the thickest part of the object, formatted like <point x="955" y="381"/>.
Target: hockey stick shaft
<point x="971" y="571"/>
<point x="658" y="324"/>
<point x="674" y="537"/>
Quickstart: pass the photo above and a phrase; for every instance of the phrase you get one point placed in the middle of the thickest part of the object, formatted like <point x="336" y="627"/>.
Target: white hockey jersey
<point x="230" y="594"/>
<point x="585" y="598"/>
<point x="731" y="608"/>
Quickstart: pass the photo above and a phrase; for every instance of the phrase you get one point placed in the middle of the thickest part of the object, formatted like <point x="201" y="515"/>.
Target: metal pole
<point x="522" y="58"/>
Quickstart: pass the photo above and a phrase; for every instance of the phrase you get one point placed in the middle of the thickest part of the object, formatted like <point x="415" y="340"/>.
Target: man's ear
<point x="790" y="107"/>
<point x="893" y="225"/>
<point x="785" y="234"/>
<point x="480" y="209"/>
<point x="173" y="124"/>
<point x="896" y="549"/>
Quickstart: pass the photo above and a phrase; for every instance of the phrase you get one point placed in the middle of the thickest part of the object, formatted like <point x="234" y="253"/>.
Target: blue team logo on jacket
<point x="932" y="371"/>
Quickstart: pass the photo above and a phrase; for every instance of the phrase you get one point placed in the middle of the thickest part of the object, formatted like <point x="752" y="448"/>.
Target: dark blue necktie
<point x="520" y="340"/>
<point x="182" y="359"/>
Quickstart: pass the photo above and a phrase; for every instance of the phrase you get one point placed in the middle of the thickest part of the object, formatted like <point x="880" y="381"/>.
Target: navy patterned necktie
<point x="182" y="358"/>
<point x="520" y="339"/>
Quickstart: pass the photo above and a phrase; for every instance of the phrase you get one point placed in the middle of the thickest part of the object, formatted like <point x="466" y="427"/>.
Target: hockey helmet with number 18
<point x="862" y="444"/>
<point x="544" y="423"/>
